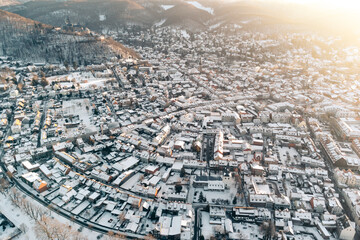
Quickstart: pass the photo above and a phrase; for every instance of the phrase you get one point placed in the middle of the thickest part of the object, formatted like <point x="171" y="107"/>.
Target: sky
<point x="342" y="16"/>
<point x="346" y="11"/>
<point x="351" y="5"/>
<point x="344" y="4"/>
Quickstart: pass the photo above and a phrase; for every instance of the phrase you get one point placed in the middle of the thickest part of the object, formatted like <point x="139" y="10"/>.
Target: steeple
<point x="200" y="66"/>
<point x="67" y="21"/>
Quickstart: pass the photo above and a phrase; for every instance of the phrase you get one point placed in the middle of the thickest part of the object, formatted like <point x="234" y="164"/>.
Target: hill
<point x="94" y="14"/>
<point x="12" y="2"/>
<point x="28" y="40"/>
<point x="187" y="16"/>
<point x="104" y="16"/>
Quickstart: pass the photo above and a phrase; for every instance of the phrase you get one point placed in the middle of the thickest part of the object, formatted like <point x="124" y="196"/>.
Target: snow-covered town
<point x="221" y="134"/>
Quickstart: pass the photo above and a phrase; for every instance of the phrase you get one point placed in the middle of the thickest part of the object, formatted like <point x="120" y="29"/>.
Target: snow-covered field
<point x="93" y="81"/>
<point x="159" y="23"/>
<point x="214" y="195"/>
<point x="167" y="7"/>
<point x="102" y="17"/>
<point x="283" y="155"/>
<point x="216" y="25"/>
<point x="185" y="34"/>
<point x="248" y="230"/>
<point x="85" y="79"/>
<point x="78" y="107"/>
<point x="200" y="6"/>
<point x="21" y="220"/>
<point x="246" y="21"/>
<point x="237" y="26"/>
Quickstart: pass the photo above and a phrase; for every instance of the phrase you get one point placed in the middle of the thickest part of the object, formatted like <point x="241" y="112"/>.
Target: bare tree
<point x="219" y="229"/>
<point x="4" y="186"/>
<point x="268" y="228"/>
<point x="114" y="236"/>
<point x="34" y="211"/>
<point x="14" y="196"/>
<point x="23" y="228"/>
<point x="78" y="236"/>
<point x="149" y="237"/>
<point x="44" y="230"/>
<point x="121" y="217"/>
<point x="51" y="229"/>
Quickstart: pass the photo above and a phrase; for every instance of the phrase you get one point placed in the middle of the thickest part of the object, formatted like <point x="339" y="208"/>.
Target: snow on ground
<point x="15" y="215"/>
<point x="94" y="81"/>
<point x="102" y="17"/>
<point x="185" y="34"/>
<point x="248" y="230"/>
<point x="78" y="107"/>
<point x="167" y="7"/>
<point x="284" y="152"/>
<point x="7" y="233"/>
<point x="237" y="26"/>
<point x="224" y="195"/>
<point x="161" y="22"/>
<point x="85" y="79"/>
<point x="61" y="12"/>
<point x="131" y="182"/>
<point x="200" y="6"/>
<point x="216" y="25"/>
<point x="206" y="229"/>
<point x="246" y="21"/>
<point x="18" y="217"/>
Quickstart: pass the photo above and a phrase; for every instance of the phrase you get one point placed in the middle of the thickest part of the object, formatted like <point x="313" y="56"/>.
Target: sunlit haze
<point x="180" y="119"/>
<point x="346" y="4"/>
<point x="327" y="16"/>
